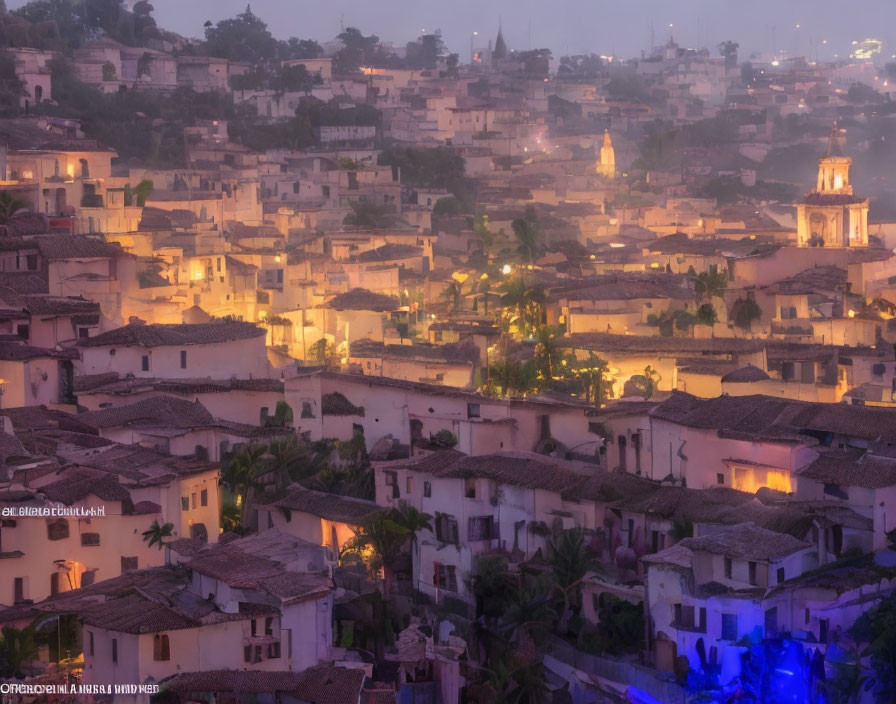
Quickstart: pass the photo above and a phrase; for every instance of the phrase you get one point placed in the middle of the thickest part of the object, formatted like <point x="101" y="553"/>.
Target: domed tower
<point x="832" y="215"/>
<point x="607" y="165"/>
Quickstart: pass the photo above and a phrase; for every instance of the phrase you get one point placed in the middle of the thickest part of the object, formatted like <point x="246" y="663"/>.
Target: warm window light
<point x="277" y="259"/>
<point x="70" y="170"/>
<point x="851" y="314"/>
<point x="506" y="269"/>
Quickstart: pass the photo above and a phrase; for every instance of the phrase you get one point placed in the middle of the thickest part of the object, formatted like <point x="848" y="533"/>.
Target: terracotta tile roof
<point x="745" y="375"/>
<point x="456" y="353"/>
<point x="10" y="447"/>
<point x="160" y="411"/>
<point x="362" y="299"/>
<point x="75" y="247"/>
<point x="112" y="383"/>
<point x="76" y="484"/>
<point x="818" y="279"/>
<point x="263" y="561"/>
<point x="390" y="251"/>
<point x="17" y="352"/>
<point x="625" y="286"/>
<point x="24" y="282"/>
<point x="852" y="467"/>
<point x="59" y="305"/>
<point x="32" y="418"/>
<point x="184" y="334"/>
<point x="332" y="507"/>
<point x="747" y="541"/>
<point x="655" y="344"/>
<point x="324" y="684"/>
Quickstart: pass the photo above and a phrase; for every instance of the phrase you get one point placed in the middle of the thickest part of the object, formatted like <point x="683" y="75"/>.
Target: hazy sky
<point x="566" y="26"/>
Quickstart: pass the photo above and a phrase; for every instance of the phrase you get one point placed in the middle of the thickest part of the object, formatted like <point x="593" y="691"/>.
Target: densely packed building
<point x="400" y="378"/>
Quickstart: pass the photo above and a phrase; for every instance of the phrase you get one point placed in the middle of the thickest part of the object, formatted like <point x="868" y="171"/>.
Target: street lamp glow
<point x="506" y="269"/>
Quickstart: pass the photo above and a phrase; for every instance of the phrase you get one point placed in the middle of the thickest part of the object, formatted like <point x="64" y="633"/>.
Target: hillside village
<point x="358" y="373"/>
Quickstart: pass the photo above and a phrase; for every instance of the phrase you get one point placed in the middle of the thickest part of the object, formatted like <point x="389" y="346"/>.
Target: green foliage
<point x="570" y="563"/>
<point x="424" y="53"/>
<point x="145" y="125"/>
<point x="369" y="215"/>
<point x="876" y="630"/>
<point x="357" y="50"/>
<point x="706" y="314"/>
<point x="744" y="311"/>
<point x="512" y="378"/>
<point x="431" y="168"/>
<point x="445" y="438"/>
<point x="382" y="536"/>
<point x="9" y="205"/>
<point x="670" y="321"/>
<point x="157" y="533"/>
<point x="16" y="648"/>
<point x="493" y="586"/>
<point x="619" y="630"/>
<point x="241" y="474"/>
<point x="548" y="354"/>
<point x="241" y="38"/>
<point x="587" y="377"/>
<point x="447" y="206"/>
<point x="230" y="517"/>
<point x="323" y="352"/>
<point x="524" y="303"/>
<point x="528" y="238"/>
<point x="711" y="284"/>
<point x="482" y="231"/>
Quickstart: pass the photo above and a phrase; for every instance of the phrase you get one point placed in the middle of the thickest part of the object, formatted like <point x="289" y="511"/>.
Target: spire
<point x="500" y="50"/>
<point x="835" y="142"/>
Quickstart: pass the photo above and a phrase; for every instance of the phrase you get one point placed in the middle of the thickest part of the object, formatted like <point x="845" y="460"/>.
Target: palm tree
<point x="531" y="611"/>
<point x="547" y="352"/>
<point x="482" y="231"/>
<point x="569" y="563"/>
<point x="9" y="205"/>
<point x="241" y="474"/>
<point x="590" y="376"/>
<point x="527" y="236"/>
<point x="329" y="480"/>
<point x="711" y="284"/>
<point x="157" y="533"/>
<point x="286" y="460"/>
<point x="412" y="519"/>
<point x="382" y="537"/>
<point x="525" y="301"/>
<point x="323" y="352"/>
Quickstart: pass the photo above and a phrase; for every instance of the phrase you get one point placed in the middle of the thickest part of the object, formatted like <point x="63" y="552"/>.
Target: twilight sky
<point x="566" y="26"/>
